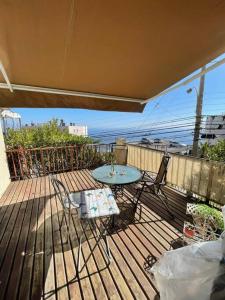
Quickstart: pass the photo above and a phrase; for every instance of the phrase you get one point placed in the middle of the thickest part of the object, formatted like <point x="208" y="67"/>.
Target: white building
<point x="214" y="129"/>
<point x="77" y="129"/>
<point x="9" y="119"/>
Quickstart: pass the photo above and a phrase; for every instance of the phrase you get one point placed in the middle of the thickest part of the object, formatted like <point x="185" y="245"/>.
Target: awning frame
<point x="28" y="88"/>
<point x="12" y="87"/>
<point x="5" y="76"/>
<point x="189" y="80"/>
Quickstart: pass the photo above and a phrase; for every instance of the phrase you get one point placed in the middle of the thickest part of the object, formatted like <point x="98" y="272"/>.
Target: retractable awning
<point x="106" y="55"/>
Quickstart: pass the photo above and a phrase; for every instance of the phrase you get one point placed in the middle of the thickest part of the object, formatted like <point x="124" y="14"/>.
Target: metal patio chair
<point x="69" y="201"/>
<point x="153" y="183"/>
<point x="90" y="205"/>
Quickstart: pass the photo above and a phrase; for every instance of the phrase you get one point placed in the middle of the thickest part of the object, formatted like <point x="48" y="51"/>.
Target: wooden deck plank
<point x="12" y="234"/>
<point x="86" y="284"/>
<point x="58" y="240"/>
<point x="96" y="279"/>
<point x="38" y="264"/>
<point x="137" y="290"/>
<point x="16" y="270"/>
<point x="99" y="261"/>
<point x="36" y="261"/>
<point x="116" y="274"/>
<point x="49" y="262"/>
<point x="9" y="208"/>
<point x="27" y="272"/>
<point x="7" y="197"/>
<point x="8" y="222"/>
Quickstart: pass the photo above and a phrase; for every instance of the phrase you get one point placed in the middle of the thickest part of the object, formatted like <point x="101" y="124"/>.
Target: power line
<point x="143" y="130"/>
<point x="162" y="122"/>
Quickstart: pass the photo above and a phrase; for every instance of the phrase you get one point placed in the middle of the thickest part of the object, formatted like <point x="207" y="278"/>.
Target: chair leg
<point x="61" y="222"/>
<point x="138" y="196"/>
<point x="105" y="238"/>
<point x="95" y="233"/>
<point x="80" y="244"/>
<point x="101" y="235"/>
<point x="140" y="213"/>
<point x="68" y="226"/>
<point x="108" y="252"/>
<point x="165" y="202"/>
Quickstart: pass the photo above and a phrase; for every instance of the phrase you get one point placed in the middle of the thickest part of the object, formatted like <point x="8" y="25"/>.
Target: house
<point x="80" y="130"/>
<point x="214" y="130"/>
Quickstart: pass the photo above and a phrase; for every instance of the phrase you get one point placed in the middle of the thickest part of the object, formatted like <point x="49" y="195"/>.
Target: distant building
<point x="166" y="145"/>
<point x="9" y="119"/>
<point x="76" y="129"/>
<point x="214" y="129"/>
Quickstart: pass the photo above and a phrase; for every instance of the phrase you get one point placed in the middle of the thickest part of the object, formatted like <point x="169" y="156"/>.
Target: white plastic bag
<point x="194" y="272"/>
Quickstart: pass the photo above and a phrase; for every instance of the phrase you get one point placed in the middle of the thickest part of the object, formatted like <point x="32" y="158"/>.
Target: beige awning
<point x="128" y="50"/>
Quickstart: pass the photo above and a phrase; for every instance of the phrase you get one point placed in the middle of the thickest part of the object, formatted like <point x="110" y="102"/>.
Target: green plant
<point x="215" y="152"/>
<point x="109" y="158"/>
<point x="206" y="211"/>
<point x="46" y="135"/>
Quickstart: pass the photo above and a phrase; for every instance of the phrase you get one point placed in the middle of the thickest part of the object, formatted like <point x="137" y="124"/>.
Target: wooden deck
<point x="37" y="263"/>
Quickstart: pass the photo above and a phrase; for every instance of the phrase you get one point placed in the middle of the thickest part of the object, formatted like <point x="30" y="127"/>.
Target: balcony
<point x="98" y="56"/>
<point x="36" y="262"/>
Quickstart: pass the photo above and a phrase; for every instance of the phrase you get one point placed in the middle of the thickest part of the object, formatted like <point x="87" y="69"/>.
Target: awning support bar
<point x="65" y="92"/>
<point x="3" y="71"/>
<point x="185" y="82"/>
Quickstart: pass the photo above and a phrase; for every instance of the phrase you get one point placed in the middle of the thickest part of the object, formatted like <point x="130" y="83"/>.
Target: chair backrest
<point x="60" y="190"/>
<point x="160" y="178"/>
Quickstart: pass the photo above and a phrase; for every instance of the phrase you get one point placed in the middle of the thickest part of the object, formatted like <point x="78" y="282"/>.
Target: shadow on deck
<point x="36" y="261"/>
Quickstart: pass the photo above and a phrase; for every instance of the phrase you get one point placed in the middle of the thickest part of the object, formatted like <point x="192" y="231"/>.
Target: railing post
<point x="19" y="160"/>
<point x="14" y="167"/>
<point x="71" y="157"/>
<point x="121" y="152"/>
<point x="42" y="161"/>
<point x="210" y="180"/>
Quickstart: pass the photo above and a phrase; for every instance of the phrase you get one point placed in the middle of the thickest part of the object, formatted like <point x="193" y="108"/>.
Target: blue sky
<point x="176" y="104"/>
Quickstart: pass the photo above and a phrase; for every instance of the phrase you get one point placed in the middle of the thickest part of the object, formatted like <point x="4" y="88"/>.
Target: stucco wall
<point x="4" y="171"/>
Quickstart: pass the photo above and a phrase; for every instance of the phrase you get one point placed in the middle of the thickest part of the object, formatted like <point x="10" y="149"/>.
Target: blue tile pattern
<point x="97" y="203"/>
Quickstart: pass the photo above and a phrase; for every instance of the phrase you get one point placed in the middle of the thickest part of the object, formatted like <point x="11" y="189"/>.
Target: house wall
<point x="214" y="129"/>
<point x="77" y="130"/>
<point x="4" y="171"/>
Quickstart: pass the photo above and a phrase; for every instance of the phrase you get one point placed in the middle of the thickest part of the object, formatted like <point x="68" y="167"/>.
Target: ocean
<point x="106" y="136"/>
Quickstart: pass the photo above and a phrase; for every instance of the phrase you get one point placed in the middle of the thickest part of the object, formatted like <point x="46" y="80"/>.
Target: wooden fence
<point x="199" y="176"/>
<point x="28" y="163"/>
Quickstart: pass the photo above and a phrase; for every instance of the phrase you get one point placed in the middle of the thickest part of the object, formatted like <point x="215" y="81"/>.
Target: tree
<point x="46" y="135"/>
<point x="215" y="152"/>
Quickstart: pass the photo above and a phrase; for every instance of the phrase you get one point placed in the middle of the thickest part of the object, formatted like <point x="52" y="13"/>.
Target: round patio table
<point x="122" y="175"/>
<point x="116" y="178"/>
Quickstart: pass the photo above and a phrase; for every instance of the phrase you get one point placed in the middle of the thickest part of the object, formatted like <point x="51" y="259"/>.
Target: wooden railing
<point x="199" y="176"/>
<point x="28" y="163"/>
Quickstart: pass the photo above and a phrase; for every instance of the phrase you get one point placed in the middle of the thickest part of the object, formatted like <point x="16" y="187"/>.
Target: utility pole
<point x="198" y="116"/>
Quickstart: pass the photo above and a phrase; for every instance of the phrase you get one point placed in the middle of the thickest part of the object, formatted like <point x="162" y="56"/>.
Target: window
<point x="208" y="136"/>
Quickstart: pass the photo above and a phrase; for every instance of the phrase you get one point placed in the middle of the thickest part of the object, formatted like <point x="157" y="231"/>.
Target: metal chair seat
<point x="97" y="203"/>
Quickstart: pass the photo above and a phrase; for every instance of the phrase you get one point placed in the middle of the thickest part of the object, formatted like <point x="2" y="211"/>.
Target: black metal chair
<point x="153" y="183"/>
<point x="70" y="201"/>
<point x="90" y="205"/>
